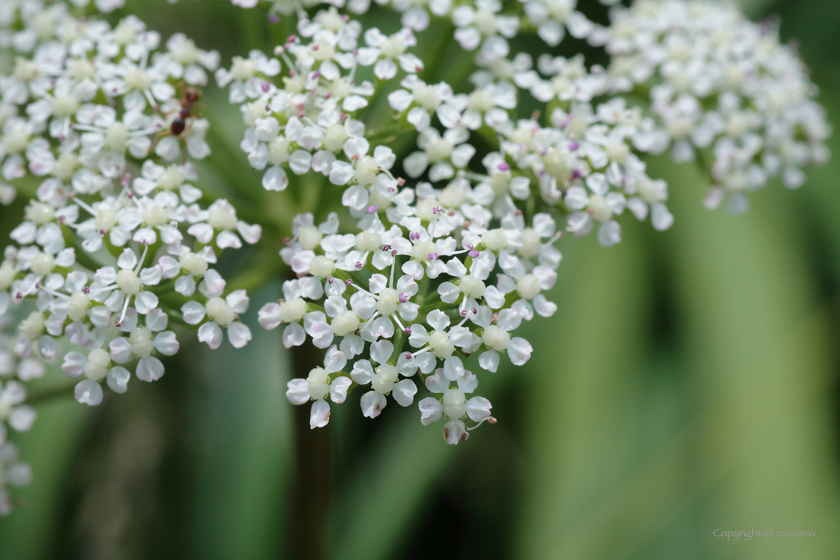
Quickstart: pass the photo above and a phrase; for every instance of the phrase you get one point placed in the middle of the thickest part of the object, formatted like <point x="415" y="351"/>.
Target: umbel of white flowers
<point x="435" y="256"/>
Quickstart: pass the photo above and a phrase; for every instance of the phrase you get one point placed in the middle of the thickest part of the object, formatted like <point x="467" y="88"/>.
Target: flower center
<point x="496" y="338"/>
<point x="155" y="216"/>
<point x="423" y="249"/>
<point x="116" y="136"/>
<point x="105" y="219"/>
<point x="384" y="378"/>
<point x="39" y="213"/>
<point x="65" y="105"/>
<point x="528" y="286"/>
<point x="79" y="303"/>
<point x="293" y="310"/>
<point x="485" y="21"/>
<point x="345" y="323"/>
<point x="530" y="243"/>
<point x="366" y="170"/>
<point x="242" y="68"/>
<point x="319" y="383"/>
<point x="388" y="301"/>
<point x="368" y="241"/>
<point x="185" y="53"/>
<point x="440" y="344"/>
<point x="426" y="96"/>
<point x="141" y="342"/>
<point x="393" y="47"/>
<point x="222" y="219"/>
<point x="42" y="263"/>
<point x="97" y="364"/>
<point x="193" y="264"/>
<point x="7" y="276"/>
<point x="472" y="286"/>
<point x="32" y="326"/>
<point x="454" y="403"/>
<point x="598" y="208"/>
<point x="15" y="142"/>
<point x="439" y="149"/>
<point x="170" y="178"/>
<point x="321" y="266"/>
<point x="128" y="281"/>
<point x="220" y="311"/>
<point x="495" y="239"/>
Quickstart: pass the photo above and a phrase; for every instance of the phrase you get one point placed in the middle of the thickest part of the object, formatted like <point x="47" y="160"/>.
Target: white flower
<point x="222" y="313"/>
<point x="126" y="284"/>
<point x="444" y="153"/>
<point x="95" y="366"/>
<point x="383" y="379"/>
<point x="483" y="25"/>
<point x="188" y="62"/>
<point x="240" y="75"/>
<point x="496" y="338"/>
<point x="318" y="387"/>
<point x="142" y="342"/>
<point x="387" y="52"/>
<point x="291" y="310"/>
<point x="452" y="401"/>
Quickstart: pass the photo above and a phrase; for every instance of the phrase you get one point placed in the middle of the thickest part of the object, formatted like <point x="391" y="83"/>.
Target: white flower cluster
<point x="451" y="265"/>
<point x="101" y="123"/>
<point x="481" y="25"/>
<point x="116" y="242"/>
<point x="308" y="123"/>
<point x="15" y="414"/>
<point x="437" y="255"/>
<point x="721" y="87"/>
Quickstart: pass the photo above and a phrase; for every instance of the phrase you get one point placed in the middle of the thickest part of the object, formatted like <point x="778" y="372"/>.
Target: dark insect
<point x="189" y="99"/>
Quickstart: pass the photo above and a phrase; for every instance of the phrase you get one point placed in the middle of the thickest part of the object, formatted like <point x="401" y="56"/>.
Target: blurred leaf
<point x="50" y="448"/>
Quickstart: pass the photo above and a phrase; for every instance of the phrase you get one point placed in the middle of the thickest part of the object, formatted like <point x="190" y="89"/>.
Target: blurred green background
<point x="688" y="383"/>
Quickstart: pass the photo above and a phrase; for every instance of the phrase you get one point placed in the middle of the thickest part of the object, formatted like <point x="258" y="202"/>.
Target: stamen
<point x="488" y="419"/>
<point x="142" y="258"/>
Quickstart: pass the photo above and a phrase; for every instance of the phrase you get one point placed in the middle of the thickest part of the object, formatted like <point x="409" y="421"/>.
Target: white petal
<point x="372" y="404"/>
<point x="335" y="360"/>
<point x="455" y="432"/>
<point x="74" y="364"/>
<point x="338" y="389"/>
<point x="117" y="379"/>
<point x="519" y="351"/>
<point x="320" y="414"/>
<point x="381" y="351"/>
<point x="88" y="392"/>
<point x="478" y="408"/>
<point x="297" y="391"/>
<point x="149" y="369"/>
<point x="430" y="410"/>
<point x="239" y="334"/>
<point x="210" y="333"/>
<point x="404" y="391"/>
